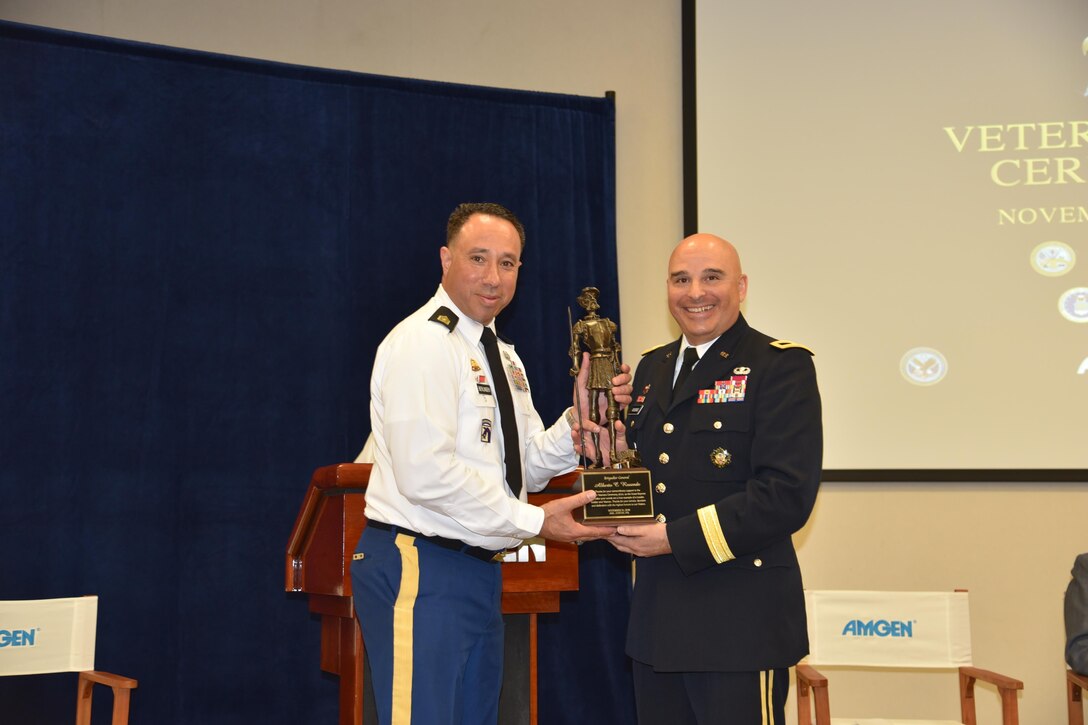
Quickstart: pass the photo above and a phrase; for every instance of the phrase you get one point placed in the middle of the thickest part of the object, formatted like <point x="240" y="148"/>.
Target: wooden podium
<point x="319" y="552"/>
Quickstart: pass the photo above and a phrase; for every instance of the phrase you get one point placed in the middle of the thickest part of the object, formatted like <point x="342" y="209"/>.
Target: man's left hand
<point x="642" y="540"/>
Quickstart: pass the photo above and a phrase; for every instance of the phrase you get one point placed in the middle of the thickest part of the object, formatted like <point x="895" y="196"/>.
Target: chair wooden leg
<point x="967" y="699"/>
<point x="1074" y="699"/>
<point x="1010" y="710"/>
<point x="84" y="691"/>
<point x="823" y="706"/>
<point x="121" y="687"/>
<point x="120" y="705"/>
<point x="1007" y="689"/>
<point x="811" y="685"/>
<point x="804" y="703"/>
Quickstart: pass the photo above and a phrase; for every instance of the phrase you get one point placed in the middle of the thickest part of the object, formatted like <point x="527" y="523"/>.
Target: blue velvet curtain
<point x="198" y="257"/>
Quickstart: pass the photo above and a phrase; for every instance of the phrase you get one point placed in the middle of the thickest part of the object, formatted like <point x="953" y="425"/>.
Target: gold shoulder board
<point x="787" y="345"/>
<point x="648" y="350"/>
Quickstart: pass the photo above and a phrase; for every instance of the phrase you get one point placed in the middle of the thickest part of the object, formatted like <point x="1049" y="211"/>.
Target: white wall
<point x="1011" y="545"/>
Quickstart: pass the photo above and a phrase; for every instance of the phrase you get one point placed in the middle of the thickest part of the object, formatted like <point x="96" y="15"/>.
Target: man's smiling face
<point x="705" y="287"/>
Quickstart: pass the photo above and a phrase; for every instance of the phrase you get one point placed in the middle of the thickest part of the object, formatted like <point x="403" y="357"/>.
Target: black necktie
<point x="506" y="411"/>
<point x="691" y="356"/>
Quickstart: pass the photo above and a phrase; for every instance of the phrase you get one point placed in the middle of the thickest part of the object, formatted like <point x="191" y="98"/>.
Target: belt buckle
<point x="500" y="555"/>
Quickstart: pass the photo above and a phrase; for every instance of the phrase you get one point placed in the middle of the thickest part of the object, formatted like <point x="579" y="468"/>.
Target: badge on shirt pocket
<point x="482" y="386"/>
<point x="485" y="431"/>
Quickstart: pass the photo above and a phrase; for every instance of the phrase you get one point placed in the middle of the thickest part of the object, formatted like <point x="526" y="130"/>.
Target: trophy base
<point x="624" y="496"/>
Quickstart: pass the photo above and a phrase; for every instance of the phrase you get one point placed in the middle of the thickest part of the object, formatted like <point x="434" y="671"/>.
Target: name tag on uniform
<point x="482" y="386"/>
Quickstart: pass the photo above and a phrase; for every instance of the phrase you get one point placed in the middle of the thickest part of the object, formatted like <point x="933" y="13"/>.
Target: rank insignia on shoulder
<point x="648" y="350"/>
<point x="445" y="317"/>
<point x="787" y="345"/>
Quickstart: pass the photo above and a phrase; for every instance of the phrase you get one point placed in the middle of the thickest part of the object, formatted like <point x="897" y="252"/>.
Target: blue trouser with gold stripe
<point x="432" y="626"/>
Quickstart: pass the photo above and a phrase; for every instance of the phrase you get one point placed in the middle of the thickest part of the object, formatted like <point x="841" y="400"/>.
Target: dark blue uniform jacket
<point x="735" y="457"/>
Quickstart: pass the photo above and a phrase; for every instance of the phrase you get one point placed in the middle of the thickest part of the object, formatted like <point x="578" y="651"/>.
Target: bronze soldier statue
<point x="597" y="335"/>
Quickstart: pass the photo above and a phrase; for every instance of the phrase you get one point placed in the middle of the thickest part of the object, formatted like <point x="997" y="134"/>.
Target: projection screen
<point x="906" y="183"/>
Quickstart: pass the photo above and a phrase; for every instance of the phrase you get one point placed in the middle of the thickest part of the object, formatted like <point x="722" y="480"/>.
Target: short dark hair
<point x="462" y="213"/>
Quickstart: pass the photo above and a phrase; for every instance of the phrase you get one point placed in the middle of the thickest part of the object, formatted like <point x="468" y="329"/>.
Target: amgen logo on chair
<point x="18" y="637"/>
<point x="878" y="628"/>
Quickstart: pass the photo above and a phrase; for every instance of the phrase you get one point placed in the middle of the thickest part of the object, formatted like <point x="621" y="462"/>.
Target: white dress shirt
<point x="684" y="345"/>
<point x="438" y="451"/>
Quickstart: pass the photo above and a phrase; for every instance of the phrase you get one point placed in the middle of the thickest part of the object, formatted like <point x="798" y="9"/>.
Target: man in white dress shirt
<point x="457" y="444"/>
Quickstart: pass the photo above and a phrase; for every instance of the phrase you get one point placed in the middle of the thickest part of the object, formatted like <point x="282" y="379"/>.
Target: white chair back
<point x="889" y="629"/>
<point x="47" y="635"/>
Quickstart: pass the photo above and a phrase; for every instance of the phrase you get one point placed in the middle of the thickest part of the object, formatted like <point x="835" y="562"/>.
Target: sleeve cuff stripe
<point x="712" y="532"/>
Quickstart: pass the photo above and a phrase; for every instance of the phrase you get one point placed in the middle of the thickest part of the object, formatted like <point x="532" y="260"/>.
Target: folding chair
<point x="900" y="630"/>
<point x="58" y="635"/>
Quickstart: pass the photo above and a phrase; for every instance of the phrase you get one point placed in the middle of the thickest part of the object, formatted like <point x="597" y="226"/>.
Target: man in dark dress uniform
<point x="717" y="612"/>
